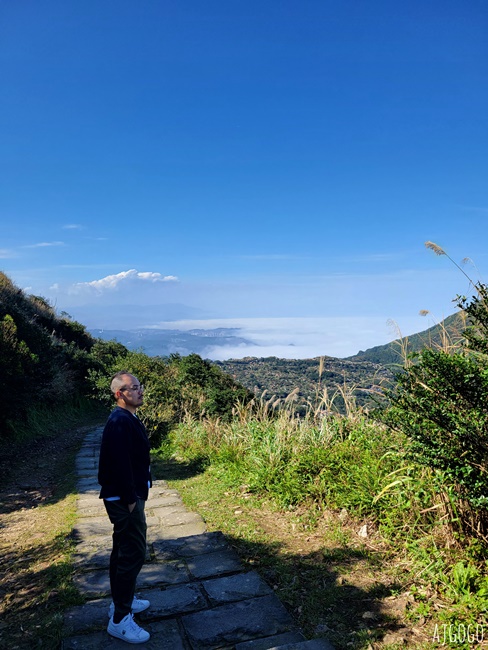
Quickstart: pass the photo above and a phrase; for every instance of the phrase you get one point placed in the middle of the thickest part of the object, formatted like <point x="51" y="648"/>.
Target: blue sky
<point x="275" y="166"/>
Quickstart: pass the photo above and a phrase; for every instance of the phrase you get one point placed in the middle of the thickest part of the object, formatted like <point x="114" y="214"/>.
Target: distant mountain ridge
<point x="161" y="343"/>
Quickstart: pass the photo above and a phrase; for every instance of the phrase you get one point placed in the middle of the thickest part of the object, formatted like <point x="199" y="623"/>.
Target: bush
<point x="441" y="404"/>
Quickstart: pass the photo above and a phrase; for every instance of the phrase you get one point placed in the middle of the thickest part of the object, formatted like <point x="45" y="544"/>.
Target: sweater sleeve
<point x="115" y="468"/>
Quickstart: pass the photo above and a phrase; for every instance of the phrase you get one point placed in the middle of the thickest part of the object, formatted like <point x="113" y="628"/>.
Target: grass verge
<point x="37" y="512"/>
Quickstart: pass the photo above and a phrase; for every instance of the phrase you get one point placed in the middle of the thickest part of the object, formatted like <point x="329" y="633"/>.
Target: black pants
<point x="128" y="552"/>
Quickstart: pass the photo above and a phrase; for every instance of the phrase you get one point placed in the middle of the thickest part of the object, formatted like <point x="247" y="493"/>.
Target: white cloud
<point x="300" y="338"/>
<point x="124" y="278"/>
<point x="45" y="244"/>
<point x="72" y="226"/>
<point x="5" y="254"/>
<point x="156" y="277"/>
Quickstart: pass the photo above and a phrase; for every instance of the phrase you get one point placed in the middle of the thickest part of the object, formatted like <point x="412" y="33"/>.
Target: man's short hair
<point x="118" y="380"/>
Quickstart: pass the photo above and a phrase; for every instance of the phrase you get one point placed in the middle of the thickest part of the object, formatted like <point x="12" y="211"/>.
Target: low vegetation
<point x="398" y="495"/>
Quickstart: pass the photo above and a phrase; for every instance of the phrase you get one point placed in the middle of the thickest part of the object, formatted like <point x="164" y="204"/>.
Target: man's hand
<point x="132" y="506"/>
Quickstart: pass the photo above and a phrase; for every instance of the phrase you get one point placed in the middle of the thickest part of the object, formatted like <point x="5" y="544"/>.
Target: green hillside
<point x="278" y="378"/>
<point x="448" y="334"/>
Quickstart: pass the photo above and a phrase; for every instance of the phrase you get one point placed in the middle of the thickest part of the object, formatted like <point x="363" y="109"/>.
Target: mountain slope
<point x="446" y="334"/>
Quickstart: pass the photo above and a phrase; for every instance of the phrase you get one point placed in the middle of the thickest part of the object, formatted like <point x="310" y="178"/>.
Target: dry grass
<point x="35" y="573"/>
<point x="38" y="505"/>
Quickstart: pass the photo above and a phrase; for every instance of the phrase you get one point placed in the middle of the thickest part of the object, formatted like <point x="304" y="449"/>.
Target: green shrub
<point x="441" y="404"/>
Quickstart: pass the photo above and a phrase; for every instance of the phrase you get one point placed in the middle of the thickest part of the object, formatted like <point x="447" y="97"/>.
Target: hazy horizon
<point x="286" y="338"/>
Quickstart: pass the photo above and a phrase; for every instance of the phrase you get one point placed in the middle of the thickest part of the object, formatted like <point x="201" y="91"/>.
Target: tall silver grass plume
<point x="435" y="247"/>
<point x="440" y="251"/>
<point x="293" y="396"/>
<point x="424" y="312"/>
<point x="467" y="260"/>
<point x="393" y="325"/>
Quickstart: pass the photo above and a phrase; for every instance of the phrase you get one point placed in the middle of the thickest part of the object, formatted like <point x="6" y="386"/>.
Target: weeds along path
<point x="37" y="509"/>
<point x="334" y="582"/>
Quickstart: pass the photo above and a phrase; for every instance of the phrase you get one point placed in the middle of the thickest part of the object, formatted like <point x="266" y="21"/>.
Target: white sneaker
<point x="138" y="605"/>
<point x="128" y="630"/>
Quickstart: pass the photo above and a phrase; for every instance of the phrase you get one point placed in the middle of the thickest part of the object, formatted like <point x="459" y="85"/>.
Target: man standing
<point x="125" y="477"/>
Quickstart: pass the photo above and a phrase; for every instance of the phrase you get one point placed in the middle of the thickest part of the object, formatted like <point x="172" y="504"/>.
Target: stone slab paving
<point x="202" y="597"/>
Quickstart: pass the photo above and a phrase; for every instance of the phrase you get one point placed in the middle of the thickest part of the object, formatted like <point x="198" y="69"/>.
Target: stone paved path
<point x="202" y="597"/>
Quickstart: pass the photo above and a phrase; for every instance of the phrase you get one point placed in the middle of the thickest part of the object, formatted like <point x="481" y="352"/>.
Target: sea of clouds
<point x="299" y="338"/>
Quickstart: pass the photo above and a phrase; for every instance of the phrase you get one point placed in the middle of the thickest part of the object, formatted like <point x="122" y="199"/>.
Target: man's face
<point x="132" y="393"/>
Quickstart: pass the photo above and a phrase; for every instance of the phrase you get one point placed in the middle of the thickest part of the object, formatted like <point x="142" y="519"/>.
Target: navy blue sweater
<point x="123" y="469"/>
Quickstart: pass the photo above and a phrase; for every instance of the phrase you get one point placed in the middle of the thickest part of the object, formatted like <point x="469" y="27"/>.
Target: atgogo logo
<point x="460" y="633"/>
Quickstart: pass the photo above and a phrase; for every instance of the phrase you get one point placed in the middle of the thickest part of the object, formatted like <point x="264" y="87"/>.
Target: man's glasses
<point x="134" y="387"/>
